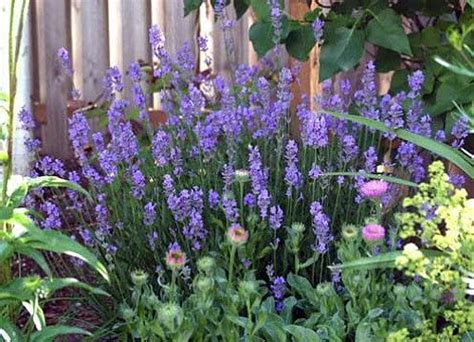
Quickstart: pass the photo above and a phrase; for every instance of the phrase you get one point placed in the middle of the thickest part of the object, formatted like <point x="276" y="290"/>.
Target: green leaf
<point x="389" y="179"/>
<point x="3" y="157"/>
<point x="58" y="283"/>
<point x="273" y="329"/>
<point x="191" y="5"/>
<point x="300" y="42"/>
<point x="20" y="289"/>
<point x="6" y="213"/>
<point x="49" y="333"/>
<point x="461" y="70"/>
<point x="387" y="60"/>
<point x="302" y="334"/>
<point x="341" y="51"/>
<point x="261" y="9"/>
<point x="3" y="96"/>
<point x="36" y="256"/>
<point x="261" y="34"/>
<point x="9" y="331"/>
<point x="386" y="30"/>
<point x="303" y="287"/>
<point x="386" y="260"/>
<point x="57" y="242"/>
<point x="6" y="250"/>
<point x="241" y="6"/>
<point x="440" y="149"/>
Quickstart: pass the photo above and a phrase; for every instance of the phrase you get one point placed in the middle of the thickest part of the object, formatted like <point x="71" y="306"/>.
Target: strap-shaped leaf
<point x="6" y="250"/>
<point x="440" y="149"/>
<point x="49" y="333"/>
<point x="9" y="331"/>
<point x="36" y="256"/>
<point x="389" y="179"/>
<point x="57" y="242"/>
<point x="21" y="191"/>
<point x="59" y="283"/>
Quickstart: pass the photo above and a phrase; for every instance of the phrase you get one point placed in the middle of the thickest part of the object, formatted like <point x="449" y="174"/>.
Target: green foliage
<point x="21" y="236"/>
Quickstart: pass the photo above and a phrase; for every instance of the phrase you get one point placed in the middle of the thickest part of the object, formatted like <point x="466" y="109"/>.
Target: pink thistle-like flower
<point x="175" y="257"/>
<point x="373" y="232"/>
<point x="237" y="234"/>
<point x="374" y="189"/>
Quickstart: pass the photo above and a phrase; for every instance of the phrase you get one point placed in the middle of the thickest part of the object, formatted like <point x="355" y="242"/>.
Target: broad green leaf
<point x="273" y="329"/>
<point x="5" y="213"/>
<point x="9" y="331"/>
<point x="36" y="256"/>
<point x="261" y="10"/>
<point x="261" y="34"/>
<point x="302" y="334"/>
<point x="27" y="184"/>
<point x="387" y="60"/>
<point x="20" y="289"/>
<point x="300" y="42"/>
<point x="6" y="250"/>
<point x="50" y="333"/>
<point x="58" y="283"/>
<point x="341" y="51"/>
<point x="57" y="242"/>
<point x="386" y="260"/>
<point x="386" y="30"/>
<point x="303" y="287"/>
<point x="440" y="149"/>
<point x="191" y="5"/>
<point x="389" y="179"/>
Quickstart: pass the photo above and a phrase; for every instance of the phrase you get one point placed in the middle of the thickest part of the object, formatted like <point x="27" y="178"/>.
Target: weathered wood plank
<point x="51" y="33"/>
<point x="129" y="21"/>
<point x="89" y="46"/>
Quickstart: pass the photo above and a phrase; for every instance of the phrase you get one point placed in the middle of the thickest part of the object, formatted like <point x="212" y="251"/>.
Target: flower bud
<point x="248" y="287"/>
<point x="126" y="312"/>
<point x="206" y="264"/>
<point x="171" y="316"/>
<point x="349" y="231"/>
<point x="203" y="284"/>
<point x="139" y="277"/>
<point x="298" y="227"/>
<point x="242" y="176"/>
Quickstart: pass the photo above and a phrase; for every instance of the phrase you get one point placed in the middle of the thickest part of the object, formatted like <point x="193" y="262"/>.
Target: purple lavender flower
<point x="26" y="119"/>
<point x="314" y="128"/>
<point x="52" y="216"/>
<point x="124" y="142"/>
<point x="275" y="14"/>
<point x="137" y="181"/>
<point x="79" y="136"/>
<point x="263" y="202"/>
<point x="149" y="214"/>
<point x="392" y="111"/>
<point x="160" y="148"/>
<point x="92" y="175"/>
<point x="230" y="208"/>
<point x="320" y="228"/>
<point x="50" y="166"/>
<point x="276" y="217"/>
<point x="139" y="96"/>
<point x="258" y="174"/>
<point x="457" y="180"/>
<point x="202" y="43"/>
<point x="213" y="199"/>
<point x="350" y="148"/>
<point x="228" y="176"/>
<point x="336" y="279"/>
<point x="460" y="131"/>
<point x="65" y="60"/>
<point x="409" y="158"/>
<point x="371" y="159"/>
<point x="102" y="217"/>
<point x="366" y="98"/>
<point x="249" y="200"/>
<point x="87" y="237"/>
<point x="415" y="82"/>
<point x="440" y="135"/>
<point x="315" y="172"/>
<point x="293" y="176"/>
<point x="318" y="26"/>
<point x="112" y="82"/>
<point x="152" y="238"/>
<point x="278" y="288"/>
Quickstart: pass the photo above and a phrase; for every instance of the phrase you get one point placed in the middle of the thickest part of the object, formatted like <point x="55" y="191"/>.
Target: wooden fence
<point x="99" y="34"/>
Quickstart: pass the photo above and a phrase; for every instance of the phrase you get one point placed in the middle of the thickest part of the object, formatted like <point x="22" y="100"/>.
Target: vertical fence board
<point x="179" y="30"/>
<point x="89" y="46"/>
<point x="52" y="35"/>
<point x="128" y="31"/>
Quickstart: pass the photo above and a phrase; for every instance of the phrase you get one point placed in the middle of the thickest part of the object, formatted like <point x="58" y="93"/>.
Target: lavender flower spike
<point x="320" y="228"/>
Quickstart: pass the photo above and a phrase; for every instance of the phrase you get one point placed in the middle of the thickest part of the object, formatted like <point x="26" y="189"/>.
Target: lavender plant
<point x="226" y="178"/>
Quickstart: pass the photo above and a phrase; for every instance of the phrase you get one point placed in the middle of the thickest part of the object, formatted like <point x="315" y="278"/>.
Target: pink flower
<point x="175" y="257"/>
<point x="237" y="234"/>
<point x="373" y="232"/>
<point x="373" y="189"/>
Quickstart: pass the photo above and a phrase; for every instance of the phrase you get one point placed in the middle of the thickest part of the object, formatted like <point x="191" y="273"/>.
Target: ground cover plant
<point x="226" y="223"/>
